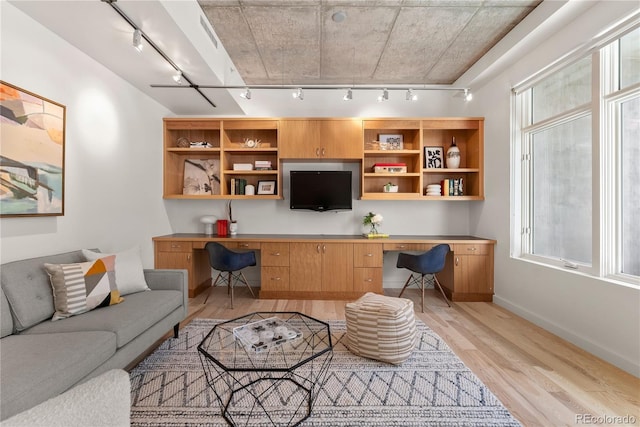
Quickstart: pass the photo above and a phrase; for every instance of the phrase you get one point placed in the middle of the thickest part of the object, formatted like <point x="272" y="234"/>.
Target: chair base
<point x="419" y="281"/>
<point x="229" y="279"/>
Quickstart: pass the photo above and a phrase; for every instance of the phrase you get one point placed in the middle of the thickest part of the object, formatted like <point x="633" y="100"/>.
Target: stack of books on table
<point x="262" y="165"/>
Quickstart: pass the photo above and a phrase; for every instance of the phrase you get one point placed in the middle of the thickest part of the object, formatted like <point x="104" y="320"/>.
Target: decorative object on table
<point x="251" y="143"/>
<point x="31" y="154"/>
<point x="391" y="141"/>
<point x="249" y="190"/>
<point x="183" y="142"/>
<point x="233" y="228"/>
<point x="373" y="220"/>
<point x="266" y="187"/>
<point x="264" y="334"/>
<point x="390" y="168"/>
<point x="389" y="187"/>
<point x="453" y="155"/>
<point x="434" y="190"/>
<point x="208" y="221"/>
<point x="433" y="157"/>
<point x="465" y="400"/>
<point x="223" y="227"/>
<point x="201" y="176"/>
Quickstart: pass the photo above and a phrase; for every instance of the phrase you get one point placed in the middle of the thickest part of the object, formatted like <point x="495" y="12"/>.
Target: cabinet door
<point x="305" y="273"/>
<point x="180" y="261"/>
<point x="341" y="139"/>
<point x="337" y="267"/>
<point x="472" y="274"/>
<point x="299" y="139"/>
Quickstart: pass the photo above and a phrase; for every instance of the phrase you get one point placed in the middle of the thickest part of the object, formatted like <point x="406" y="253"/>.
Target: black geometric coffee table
<point x="275" y="381"/>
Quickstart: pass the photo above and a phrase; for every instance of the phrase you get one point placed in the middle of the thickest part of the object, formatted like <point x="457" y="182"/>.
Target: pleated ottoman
<point x="381" y="328"/>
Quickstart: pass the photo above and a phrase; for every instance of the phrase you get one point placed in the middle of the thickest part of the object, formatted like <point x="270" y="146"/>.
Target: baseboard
<point x="630" y="366"/>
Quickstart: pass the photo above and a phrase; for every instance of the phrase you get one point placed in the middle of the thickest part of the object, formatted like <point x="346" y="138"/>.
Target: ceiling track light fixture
<point x="384" y="96"/>
<point x="468" y="96"/>
<point x="177" y="77"/>
<point x="298" y="94"/>
<point x="137" y="40"/>
<point x="410" y="96"/>
<point x="348" y="96"/>
<point x="246" y="94"/>
<point x="139" y="36"/>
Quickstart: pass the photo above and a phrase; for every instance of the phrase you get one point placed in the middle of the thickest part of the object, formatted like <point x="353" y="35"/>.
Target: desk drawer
<point x="466" y="249"/>
<point x="241" y="245"/>
<point x="176" y="246"/>
<point x="408" y="246"/>
<point x="274" y="278"/>
<point x="367" y="280"/>
<point x="274" y="254"/>
<point x="367" y="255"/>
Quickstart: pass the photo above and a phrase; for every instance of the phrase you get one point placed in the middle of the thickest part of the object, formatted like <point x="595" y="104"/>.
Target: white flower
<point x="376" y="219"/>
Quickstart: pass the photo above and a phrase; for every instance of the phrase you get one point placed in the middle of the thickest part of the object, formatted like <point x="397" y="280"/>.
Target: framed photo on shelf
<point x="201" y="176"/>
<point x="266" y="187"/>
<point x="391" y="141"/>
<point x="433" y="157"/>
<point x="31" y="154"/>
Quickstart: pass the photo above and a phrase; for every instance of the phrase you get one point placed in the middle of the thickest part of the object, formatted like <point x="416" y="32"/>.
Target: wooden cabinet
<point x="367" y="267"/>
<point x="180" y="255"/>
<point x="208" y="172"/>
<point x="274" y="270"/>
<point x="469" y="136"/>
<point x="472" y="273"/>
<point x="320" y="267"/>
<point x="321" y="139"/>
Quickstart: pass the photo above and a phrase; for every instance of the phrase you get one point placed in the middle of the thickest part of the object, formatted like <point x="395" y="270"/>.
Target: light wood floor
<point x="542" y="379"/>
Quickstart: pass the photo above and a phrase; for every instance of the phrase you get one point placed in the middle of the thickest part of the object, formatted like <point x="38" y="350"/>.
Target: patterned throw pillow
<point x="80" y="287"/>
<point x="129" y="270"/>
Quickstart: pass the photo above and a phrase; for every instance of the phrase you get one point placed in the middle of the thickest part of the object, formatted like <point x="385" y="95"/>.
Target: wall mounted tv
<point x="320" y="190"/>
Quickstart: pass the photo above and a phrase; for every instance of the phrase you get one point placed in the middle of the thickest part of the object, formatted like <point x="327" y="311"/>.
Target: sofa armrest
<point x="165" y="279"/>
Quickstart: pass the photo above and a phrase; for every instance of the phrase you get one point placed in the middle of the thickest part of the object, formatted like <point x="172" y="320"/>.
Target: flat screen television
<point x="320" y="190"/>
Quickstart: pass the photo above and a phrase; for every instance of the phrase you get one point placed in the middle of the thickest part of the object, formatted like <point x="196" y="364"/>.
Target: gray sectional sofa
<point x="40" y="358"/>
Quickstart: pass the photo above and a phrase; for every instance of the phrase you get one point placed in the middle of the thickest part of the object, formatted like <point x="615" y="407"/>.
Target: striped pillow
<point x="80" y="287"/>
<point x="381" y="328"/>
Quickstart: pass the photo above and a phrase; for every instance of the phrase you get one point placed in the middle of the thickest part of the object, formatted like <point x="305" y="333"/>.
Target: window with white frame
<point x="577" y="161"/>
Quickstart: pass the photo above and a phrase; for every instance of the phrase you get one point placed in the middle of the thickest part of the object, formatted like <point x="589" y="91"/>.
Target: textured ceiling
<point x="379" y="41"/>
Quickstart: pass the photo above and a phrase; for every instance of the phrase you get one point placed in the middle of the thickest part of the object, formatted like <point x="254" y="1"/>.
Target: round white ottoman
<point x="381" y="328"/>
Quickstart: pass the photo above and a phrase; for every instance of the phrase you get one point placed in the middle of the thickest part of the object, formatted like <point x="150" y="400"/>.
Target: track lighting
<point x="177" y="77"/>
<point x="348" y="96"/>
<point x="384" y="96"/>
<point x="137" y="40"/>
<point x="411" y="96"/>
<point x="246" y="94"/>
<point x="468" y="96"/>
<point x="298" y="94"/>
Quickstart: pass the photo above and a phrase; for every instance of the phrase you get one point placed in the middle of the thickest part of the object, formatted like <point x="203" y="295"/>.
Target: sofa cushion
<point x="6" y="321"/>
<point x="129" y="270"/>
<point x="35" y="367"/>
<point x="28" y="290"/>
<point x="137" y="313"/>
<point x="83" y="286"/>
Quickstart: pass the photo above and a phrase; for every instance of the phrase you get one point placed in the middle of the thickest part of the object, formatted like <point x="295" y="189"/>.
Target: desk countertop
<point x="347" y="238"/>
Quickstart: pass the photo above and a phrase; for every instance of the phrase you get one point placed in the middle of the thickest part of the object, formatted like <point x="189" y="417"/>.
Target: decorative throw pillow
<point x="80" y="287"/>
<point x="129" y="270"/>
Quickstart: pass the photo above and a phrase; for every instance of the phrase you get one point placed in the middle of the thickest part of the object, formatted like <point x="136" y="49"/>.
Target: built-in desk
<point x="295" y="266"/>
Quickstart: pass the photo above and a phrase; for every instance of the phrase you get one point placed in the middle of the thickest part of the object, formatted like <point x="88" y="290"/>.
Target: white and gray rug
<point x="432" y="388"/>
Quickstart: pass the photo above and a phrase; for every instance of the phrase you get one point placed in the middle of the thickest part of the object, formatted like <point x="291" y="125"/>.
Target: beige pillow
<point x="129" y="270"/>
<point x="80" y="287"/>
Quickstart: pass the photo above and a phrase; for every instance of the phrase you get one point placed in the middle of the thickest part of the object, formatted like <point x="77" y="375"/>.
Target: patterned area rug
<point x="432" y="388"/>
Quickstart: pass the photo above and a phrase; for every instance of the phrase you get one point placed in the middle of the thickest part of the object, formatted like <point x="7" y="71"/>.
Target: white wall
<point x="113" y="152"/>
<point x="597" y="315"/>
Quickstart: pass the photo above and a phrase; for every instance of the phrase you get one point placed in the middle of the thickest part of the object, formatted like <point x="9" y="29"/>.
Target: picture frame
<point x="266" y="187"/>
<point x="433" y="157"/>
<point x="201" y="177"/>
<point x="391" y="141"/>
<point x="32" y="153"/>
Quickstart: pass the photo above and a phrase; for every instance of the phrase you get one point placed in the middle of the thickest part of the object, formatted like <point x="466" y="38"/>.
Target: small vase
<point x="453" y="155"/>
<point x="373" y="230"/>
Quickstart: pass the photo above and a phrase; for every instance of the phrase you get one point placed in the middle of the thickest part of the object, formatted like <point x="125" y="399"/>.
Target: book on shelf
<point x="452" y="187"/>
<point x="262" y="165"/>
<point x="237" y="186"/>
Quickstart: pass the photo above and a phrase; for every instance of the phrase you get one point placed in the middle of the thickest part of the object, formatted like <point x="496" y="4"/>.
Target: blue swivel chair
<point x="230" y="262"/>
<point x="428" y="263"/>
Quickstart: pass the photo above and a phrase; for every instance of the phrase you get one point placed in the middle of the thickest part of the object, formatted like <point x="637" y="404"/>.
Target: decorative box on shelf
<point x="242" y="166"/>
<point x="390" y="168"/>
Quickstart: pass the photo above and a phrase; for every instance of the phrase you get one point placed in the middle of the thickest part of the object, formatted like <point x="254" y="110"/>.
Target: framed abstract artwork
<point x="433" y="157"/>
<point x="32" y="130"/>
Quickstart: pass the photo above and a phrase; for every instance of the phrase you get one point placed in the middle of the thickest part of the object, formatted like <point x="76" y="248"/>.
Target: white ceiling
<point x="381" y="42"/>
